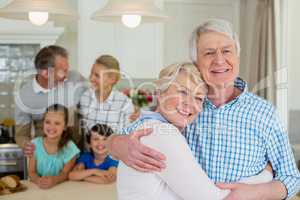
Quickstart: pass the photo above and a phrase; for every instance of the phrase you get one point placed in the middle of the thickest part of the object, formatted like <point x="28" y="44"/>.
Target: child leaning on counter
<point x="55" y="153"/>
<point x="96" y="166"/>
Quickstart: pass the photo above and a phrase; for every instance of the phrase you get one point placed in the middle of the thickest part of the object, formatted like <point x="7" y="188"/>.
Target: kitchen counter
<point x="67" y="190"/>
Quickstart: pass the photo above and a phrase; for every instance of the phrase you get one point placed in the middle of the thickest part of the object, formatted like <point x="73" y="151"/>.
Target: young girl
<point x="55" y="153"/>
<point x="96" y="166"/>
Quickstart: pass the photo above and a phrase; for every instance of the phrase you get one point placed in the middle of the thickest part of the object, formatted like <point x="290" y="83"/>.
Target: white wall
<point x="293" y="54"/>
<point x="138" y="50"/>
<point x="68" y="40"/>
<point x="186" y="15"/>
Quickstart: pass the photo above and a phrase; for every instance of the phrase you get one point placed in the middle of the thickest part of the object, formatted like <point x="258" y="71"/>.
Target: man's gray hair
<point x="213" y="25"/>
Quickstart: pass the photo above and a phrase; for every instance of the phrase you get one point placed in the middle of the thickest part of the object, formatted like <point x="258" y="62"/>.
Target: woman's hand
<point x="129" y="149"/>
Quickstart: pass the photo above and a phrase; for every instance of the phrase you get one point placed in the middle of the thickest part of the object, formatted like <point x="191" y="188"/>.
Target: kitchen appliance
<point x="12" y="160"/>
<point x="7" y="134"/>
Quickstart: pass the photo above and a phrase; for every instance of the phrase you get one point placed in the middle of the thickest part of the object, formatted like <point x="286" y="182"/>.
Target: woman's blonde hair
<point x="111" y="63"/>
<point x="168" y="75"/>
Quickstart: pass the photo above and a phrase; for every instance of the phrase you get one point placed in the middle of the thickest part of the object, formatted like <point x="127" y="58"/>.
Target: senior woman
<point x="180" y="94"/>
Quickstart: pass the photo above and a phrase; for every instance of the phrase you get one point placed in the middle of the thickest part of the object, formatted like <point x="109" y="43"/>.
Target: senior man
<point x="237" y="133"/>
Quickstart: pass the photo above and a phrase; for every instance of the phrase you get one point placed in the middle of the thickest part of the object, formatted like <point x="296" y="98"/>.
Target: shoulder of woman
<point x="159" y="127"/>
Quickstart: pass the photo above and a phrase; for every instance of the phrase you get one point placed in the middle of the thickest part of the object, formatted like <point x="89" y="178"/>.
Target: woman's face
<point x="182" y="101"/>
<point x="100" y="77"/>
<point x="54" y="124"/>
<point x="97" y="144"/>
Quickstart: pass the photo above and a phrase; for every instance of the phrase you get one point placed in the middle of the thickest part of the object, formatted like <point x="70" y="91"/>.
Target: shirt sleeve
<point x="70" y="151"/>
<point x="129" y="109"/>
<point x="280" y="154"/>
<point x="182" y="174"/>
<point x="113" y="163"/>
<point x="84" y="103"/>
<point x="38" y="147"/>
<point x="82" y="159"/>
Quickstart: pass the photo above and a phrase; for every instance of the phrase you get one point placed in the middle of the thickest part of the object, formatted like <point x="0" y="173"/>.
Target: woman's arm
<point x="182" y="174"/>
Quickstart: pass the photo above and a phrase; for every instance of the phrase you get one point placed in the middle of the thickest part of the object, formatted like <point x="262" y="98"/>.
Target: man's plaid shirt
<point x="238" y="139"/>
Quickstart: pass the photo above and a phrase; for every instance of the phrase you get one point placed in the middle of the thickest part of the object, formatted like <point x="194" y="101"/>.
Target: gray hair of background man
<point x="213" y="25"/>
<point x="45" y="58"/>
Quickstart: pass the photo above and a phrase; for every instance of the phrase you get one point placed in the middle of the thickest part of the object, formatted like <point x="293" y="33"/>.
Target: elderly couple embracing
<point x="209" y="138"/>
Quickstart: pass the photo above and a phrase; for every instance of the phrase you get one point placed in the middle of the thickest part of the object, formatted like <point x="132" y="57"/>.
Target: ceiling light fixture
<point x="38" y="11"/>
<point x="130" y="12"/>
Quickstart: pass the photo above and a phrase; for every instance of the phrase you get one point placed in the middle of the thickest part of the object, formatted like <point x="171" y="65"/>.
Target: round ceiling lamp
<point x="130" y="12"/>
<point x="38" y="11"/>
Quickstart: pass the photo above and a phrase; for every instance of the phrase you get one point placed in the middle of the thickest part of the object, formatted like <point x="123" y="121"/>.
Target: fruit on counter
<point x="11" y="181"/>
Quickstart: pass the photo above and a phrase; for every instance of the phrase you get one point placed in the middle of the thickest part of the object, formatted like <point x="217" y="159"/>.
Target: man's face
<point x="217" y="59"/>
<point x="60" y="70"/>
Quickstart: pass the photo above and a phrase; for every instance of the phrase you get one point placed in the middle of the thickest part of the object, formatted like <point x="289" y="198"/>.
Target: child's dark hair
<point x="100" y="129"/>
<point x="66" y="135"/>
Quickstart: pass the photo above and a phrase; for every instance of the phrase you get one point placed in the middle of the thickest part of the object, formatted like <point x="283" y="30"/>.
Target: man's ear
<point x="44" y="73"/>
<point x="113" y="78"/>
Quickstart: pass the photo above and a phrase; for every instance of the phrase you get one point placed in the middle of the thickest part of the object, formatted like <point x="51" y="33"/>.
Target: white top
<point x="182" y="179"/>
<point x="37" y="88"/>
<point x="114" y="111"/>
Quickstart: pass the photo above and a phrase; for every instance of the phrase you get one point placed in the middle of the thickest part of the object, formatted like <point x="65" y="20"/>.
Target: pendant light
<point x="130" y="12"/>
<point x="38" y="12"/>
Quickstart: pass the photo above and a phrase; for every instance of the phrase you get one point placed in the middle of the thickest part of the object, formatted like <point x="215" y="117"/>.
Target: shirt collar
<point x="37" y="88"/>
<point x="152" y="115"/>
<point x="238" y="83"/>
<point x="108" y="100"/>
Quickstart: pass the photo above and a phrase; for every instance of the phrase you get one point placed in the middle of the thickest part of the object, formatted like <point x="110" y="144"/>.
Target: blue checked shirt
<point x="238" y="139"/>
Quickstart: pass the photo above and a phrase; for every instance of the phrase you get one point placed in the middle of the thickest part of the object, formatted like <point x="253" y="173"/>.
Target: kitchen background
<point x="143" y="51"/>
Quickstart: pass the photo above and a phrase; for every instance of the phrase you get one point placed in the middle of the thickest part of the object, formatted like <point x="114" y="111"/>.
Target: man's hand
<point x="29" y="149"/>
<point x="263" y="191"/>
<point x="129" y="149"/>
<point x="241" y="191"/>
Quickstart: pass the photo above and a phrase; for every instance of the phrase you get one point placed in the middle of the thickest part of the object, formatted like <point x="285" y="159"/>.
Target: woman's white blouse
<point x="183" y="177"/>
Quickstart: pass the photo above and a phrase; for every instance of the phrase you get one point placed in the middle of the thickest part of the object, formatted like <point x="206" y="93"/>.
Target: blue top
<point x="87" y="158"/>
<point x="52" y="164"/>
<point x="145" y="115"/>
<point x="238" y="139"/>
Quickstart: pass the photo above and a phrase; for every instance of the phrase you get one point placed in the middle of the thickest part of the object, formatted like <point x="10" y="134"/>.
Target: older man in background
<point x="237" y="133"/>
<point x="53" y="83"/>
